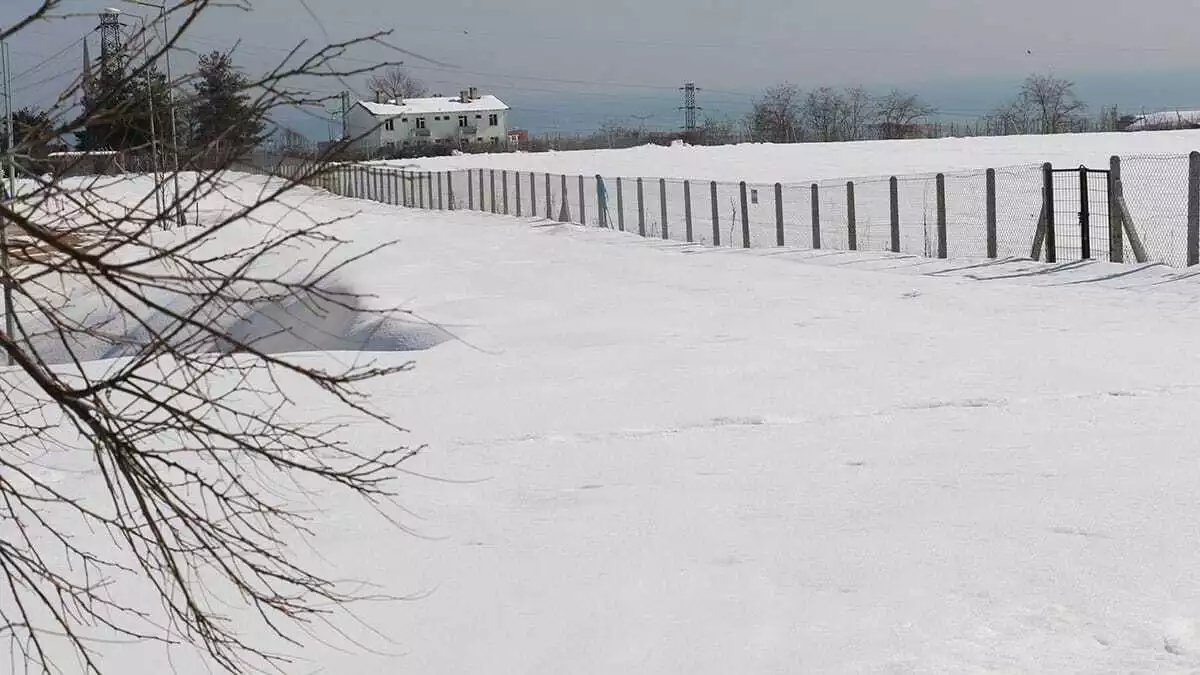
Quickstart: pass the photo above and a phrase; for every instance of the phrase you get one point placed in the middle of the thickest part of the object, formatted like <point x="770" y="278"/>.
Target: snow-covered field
<point x="1154" y="176"/>
<point x="654" y="458"/>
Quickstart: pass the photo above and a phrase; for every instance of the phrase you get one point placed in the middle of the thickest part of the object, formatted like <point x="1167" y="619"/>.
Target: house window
<point x="495" y="141"/>
<point x="405" y="120"/>
<point x="390" y="124"/>
<point x="462" y="120"/>
<point x="479" y="117"/>
<point x="494" y="119"/>
<point x="420" y="122"/>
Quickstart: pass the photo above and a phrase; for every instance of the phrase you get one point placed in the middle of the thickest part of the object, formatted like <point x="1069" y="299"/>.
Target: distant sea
<point x="582" y="112"/>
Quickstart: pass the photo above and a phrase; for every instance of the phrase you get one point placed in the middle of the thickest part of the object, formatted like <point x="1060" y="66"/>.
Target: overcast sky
<point x="541" y="47"/>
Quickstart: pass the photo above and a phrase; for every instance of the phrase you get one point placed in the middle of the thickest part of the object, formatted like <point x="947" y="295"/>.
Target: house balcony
<point x="468" y="131"/>
<point x="422" y="133"/>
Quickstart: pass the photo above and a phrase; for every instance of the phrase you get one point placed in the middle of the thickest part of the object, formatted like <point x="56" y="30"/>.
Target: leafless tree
<point x="858" y="114"/>
<point x="777" y="116"/>
<point x="824" y="112"/>
<point x="1015" y="117"/>
<point x="899" y="113"/>
<point x="396" y="83"/>
<point x="147" y="497"/>
<point x="1054" y="102"/>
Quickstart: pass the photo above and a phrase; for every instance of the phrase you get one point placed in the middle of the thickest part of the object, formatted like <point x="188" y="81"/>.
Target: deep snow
<point x="655" y="458"/>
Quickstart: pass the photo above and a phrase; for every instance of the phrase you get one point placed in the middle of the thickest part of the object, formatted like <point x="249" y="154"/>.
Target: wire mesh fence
<point x="1139" y="209"/>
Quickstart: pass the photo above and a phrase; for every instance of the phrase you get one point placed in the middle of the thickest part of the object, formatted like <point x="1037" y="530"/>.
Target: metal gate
<point x="1080" y="220"/>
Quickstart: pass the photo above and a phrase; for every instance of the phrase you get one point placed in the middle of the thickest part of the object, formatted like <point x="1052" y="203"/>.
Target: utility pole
<point x="345" y="114"/>
<point x="689" y="106"/>
<point x="162" y="18"/>
<point x="11" y="171"/>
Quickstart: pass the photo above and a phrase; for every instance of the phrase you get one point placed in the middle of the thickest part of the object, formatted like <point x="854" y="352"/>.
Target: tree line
<point x="785" y="113"/>
<point x="128" y="107"/>
<point x="1044" y="104"/>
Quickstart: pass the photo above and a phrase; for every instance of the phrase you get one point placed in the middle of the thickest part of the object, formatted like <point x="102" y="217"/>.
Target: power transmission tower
<point x="110" y="40"/>
<point x="689" y="106"/>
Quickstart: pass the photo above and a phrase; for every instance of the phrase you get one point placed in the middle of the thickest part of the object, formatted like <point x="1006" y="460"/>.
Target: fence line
<point x="1143" y="209"/>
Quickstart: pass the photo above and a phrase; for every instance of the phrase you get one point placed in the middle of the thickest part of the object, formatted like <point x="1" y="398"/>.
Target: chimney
<point x="473" y="93"/>
<point x="378" y="96"/>
<point x="464" y="96"/>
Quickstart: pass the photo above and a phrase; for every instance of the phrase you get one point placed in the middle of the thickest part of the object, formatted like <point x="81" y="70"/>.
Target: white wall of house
<point x="482" y="122"/>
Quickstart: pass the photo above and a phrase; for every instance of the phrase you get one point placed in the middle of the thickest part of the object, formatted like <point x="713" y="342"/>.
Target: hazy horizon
<point x="568" y="67"/>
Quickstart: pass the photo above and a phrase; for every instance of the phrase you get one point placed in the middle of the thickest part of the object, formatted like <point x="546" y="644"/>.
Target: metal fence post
<point x="1048" y="208"/>
<point x="851" y="218"/>
<point x="1116" y="242"/>
<point x="641" y="204"/>
<point x="620" y="206"/>
<point x="716" y="212"/>
<point x="745" y="216"/>
<point x="662" y="202"/>
<point x="687" y="210"/>
<point x="779" y="214"/>
<point x="816" y="216"/>
<point x="1193" y="223"/>
<point x="941" y="216"/>
<point x="894" y="189"/>
<point x="1085" y="216"/>
<point x="450" y="189"/>
<point x="992" y="251"/>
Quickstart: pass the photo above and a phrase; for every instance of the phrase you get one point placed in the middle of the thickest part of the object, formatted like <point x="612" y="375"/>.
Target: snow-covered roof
<point x="433" y="106"/>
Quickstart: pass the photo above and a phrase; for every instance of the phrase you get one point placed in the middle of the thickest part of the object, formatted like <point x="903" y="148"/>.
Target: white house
<point x="468" y="119"/>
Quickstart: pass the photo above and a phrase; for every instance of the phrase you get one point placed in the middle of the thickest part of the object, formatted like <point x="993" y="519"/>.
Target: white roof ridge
<point x="435" y="105"/>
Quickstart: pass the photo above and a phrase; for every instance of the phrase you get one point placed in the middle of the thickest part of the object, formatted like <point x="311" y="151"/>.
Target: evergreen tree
<point x="223" y="113"/>
<point x="125" y="109"/>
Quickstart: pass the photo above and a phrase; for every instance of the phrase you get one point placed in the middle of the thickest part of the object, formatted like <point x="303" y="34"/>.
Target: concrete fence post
<point x="492" y="190"/>
<point x="429" y="184"/>
<point x="662" y="202"/>
<point x="942" y="248"/>
<point x="504" y="189"/>
<point x="601" y="201"/>
<point x="482" y="193"/>
<point x="620" y="206"/>
<point x="851" y="218"/>
<point x="816" y="216"/>
<point x="992" y="247"/>
<point x="450" y="190"/>
<point x="745" y="215"/>
<point x="517" y="189"/>
<point x="470" y="190"/>
<point x="641" y="206"/>
<point x="716" y="213"/>
<point x="894" y="190"/>
<point x="687" y="210"/>
<point x="582" y="203"/>
<point x="779" y="214"/>
<point x="564" y="214"/>
<point x="549" y="201"/>
<point x="441" y="204"/>
<point x="533" y="209"/>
